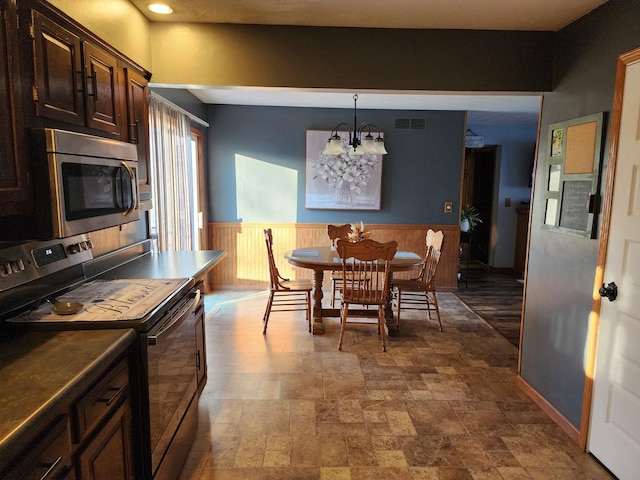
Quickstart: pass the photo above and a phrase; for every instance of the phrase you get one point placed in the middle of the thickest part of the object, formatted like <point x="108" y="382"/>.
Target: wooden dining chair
<point x="419" y="293"/>
<point x="285" y="294"/>
<point x="365" y="269"/>
<point x="336" y="232"/>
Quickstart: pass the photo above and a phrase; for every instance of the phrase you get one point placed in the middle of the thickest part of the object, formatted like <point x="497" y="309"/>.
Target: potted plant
<point x="469" y="218"/>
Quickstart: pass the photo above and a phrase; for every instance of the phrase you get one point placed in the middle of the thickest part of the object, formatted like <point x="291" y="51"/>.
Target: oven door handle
<point x="152" y="339"/>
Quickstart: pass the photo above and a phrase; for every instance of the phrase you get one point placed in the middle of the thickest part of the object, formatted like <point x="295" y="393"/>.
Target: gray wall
<point x="421" y="171"/>
<point x="561" y="267"/>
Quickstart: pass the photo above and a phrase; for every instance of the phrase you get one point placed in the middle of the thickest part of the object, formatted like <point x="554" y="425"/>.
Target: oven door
<point x="171" y="375"/>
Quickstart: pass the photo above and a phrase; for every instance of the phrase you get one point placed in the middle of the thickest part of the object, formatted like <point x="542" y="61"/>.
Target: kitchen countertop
<point x="41" y="373"/>
<point x="168" y="265"/>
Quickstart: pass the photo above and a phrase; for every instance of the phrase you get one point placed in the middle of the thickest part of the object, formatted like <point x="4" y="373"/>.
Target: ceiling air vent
<point x="411" y="123"/>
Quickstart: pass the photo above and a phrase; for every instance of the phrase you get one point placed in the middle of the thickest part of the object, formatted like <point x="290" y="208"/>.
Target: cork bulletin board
<point x="573" y="175"/>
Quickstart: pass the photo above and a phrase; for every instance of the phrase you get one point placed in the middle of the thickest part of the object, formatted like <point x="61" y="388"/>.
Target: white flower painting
<point x="340" y="182"/>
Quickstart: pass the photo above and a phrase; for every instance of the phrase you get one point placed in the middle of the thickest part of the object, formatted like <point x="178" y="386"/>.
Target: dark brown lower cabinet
<point x="90" y="439"/>
<point x="47" y="457"/>
<point x="108" y="455"/>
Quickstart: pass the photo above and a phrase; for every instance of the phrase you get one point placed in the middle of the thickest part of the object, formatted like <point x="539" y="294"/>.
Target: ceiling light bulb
<point x="160" y="8"/>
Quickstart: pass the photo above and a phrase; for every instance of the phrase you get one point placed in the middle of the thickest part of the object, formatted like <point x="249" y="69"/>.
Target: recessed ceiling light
<point x="160" y="8"/>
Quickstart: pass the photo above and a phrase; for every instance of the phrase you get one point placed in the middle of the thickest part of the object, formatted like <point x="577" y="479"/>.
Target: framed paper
<point x="340" y="182"/>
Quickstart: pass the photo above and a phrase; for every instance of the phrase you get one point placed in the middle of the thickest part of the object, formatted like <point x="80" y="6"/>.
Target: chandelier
<point x="358" y="145"/>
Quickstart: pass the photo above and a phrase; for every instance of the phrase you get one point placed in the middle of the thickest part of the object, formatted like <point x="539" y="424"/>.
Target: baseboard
<point x="549" y="409"/>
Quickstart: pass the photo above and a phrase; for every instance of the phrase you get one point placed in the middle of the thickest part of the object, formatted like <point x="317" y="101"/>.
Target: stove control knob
<point x="73" y="248"/>
<point x="17" y="265"/>
<point x="89" y="245"/>
<point x="5" y="269"/>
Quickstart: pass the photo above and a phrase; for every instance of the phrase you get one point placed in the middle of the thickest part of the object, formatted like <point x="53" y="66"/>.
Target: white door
<point x="614" y="436"/>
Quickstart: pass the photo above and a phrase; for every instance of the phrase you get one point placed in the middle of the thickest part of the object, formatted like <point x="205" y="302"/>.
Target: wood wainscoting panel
<point x="245" y="265"/>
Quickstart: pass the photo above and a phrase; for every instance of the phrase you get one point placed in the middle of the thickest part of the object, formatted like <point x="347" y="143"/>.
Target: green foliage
<point x="469" y="212"/>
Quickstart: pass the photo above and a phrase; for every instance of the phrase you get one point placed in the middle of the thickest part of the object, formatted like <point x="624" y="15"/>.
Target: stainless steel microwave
<point x="83" y="182"/>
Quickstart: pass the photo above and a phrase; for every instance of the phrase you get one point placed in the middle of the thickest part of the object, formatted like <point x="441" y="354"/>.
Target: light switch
<point x="507" y="202"/>
<point x="448" y="207"/>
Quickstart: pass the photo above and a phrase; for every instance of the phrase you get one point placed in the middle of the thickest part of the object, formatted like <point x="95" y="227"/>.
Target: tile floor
<point x="443" y="406"/>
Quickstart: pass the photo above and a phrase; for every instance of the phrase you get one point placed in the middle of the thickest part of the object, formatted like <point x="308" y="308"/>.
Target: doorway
<point x="478" y="190"/>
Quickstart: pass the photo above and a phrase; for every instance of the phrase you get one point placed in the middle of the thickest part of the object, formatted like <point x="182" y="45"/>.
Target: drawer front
<point x="102" y="399"/>
<point x="48" y="458"/>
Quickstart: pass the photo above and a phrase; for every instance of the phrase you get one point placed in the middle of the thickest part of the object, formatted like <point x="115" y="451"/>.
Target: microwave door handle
<point x="152" y="339"/>
<point x="133" y="189"/>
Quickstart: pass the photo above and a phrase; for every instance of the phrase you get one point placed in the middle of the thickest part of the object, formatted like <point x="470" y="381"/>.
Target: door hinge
<point x="32" y="31"/>
<point x="35" y="93"/>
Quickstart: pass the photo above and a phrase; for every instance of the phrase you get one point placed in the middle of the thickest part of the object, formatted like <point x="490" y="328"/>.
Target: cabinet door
<point x="15" y="192"/>
<point x="57" y="90"/>
<point x="102" y="92"/>
<point x="108" y="456"/>
<point x="138" y="125"/>
<point x="49" y="457"/>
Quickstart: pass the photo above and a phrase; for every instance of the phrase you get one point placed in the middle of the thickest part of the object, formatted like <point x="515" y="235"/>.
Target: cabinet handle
<point x="51" y="468"/>
<point x="109" y="401"/>
<point x="198" y="360"/>
<point x="91" y="91"/>
<point x="134" y="137"/>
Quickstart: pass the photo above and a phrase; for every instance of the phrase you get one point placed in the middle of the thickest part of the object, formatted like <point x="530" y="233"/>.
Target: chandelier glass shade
<point x="359" y="145"/>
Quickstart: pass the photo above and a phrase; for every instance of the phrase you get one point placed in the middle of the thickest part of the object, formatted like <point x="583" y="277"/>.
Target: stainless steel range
<point x="161" y="310"/>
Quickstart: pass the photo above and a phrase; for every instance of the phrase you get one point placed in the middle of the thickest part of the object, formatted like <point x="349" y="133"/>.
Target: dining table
<point x="326" y="259"/>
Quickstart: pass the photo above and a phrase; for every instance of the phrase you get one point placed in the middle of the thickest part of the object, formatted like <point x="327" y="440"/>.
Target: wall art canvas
<point x="340" y="182"/>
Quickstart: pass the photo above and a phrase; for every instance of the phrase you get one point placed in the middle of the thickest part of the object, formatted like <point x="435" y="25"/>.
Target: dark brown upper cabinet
<point x="75" y="81"/>
<point x="102" y="90"/>
<point x="58" y="85"/>
<point x="15" y="189"/>
<point x="137" y="92"/>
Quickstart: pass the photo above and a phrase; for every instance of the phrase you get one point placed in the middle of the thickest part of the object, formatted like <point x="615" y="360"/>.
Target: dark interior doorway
<point x="477" y="190"/>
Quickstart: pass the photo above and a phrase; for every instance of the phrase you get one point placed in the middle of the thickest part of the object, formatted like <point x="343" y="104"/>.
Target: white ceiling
<point x="492" y="108"/>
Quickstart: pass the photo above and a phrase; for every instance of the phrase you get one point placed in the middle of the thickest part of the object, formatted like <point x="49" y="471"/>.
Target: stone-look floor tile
<point x="434" y="418"/>
<point x="276" y="458"/>
<point x="322" y="450"/>
<point x="307" y="386"/>
<point x="474" y="406"/>
<point x="455" y="473"/>
<point x="424" y="473"/>
<point x="484" y="473"/>
<point x="486" y="424"/>
<point x="503" y="459"/>
<point x="344" y="385"/>
<point x="429" y="451"/>
<point x="223" y="452"/>
<point x="360" y="451"/>
<point x="436" y="406"/>
<point x="335" y="473"/>
<point x="513" y="473"/>
<point x="303" y="422"/>
<point x="250" y="451"/>
<point x="289" y="473"/>
<point x="544" y="473"/>
<point x="377" y="473"/>
<point x="391" y="458"/>
<point x="232" y="474"/>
